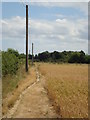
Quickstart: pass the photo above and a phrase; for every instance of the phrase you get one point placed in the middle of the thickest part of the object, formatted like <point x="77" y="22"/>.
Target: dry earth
<point x="33" y="103"/>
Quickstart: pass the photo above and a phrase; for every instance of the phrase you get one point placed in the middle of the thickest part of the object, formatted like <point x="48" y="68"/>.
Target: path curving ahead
<point x="33" y="103"/>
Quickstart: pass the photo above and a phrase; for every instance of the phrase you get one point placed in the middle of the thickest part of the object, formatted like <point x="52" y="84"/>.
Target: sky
<point x="52" y="26"/>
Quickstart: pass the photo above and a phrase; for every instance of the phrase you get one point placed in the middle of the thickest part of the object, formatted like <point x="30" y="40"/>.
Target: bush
<point x="9" y="63"/>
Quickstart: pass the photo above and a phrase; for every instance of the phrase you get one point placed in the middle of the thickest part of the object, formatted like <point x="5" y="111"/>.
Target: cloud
<point x="61" y="20"/>
<point x="13" y="28"/>
<point x="59" y="34"/>
<point x="81" y="5"/>
<point x="50" y="1"/>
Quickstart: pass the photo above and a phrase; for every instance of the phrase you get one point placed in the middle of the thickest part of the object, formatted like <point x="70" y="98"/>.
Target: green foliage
<point x="87" y="59"/>
<point x="0" y="64"/>
<point x="74" y="58"/>
<point x="22" y="55"/>
<point x="11" y="59"/>
<point x="9" y="62"/>
<point x="77" y="57"/>
<point x="44" y="56"/>
<point x="65" y="56"/>
<point x="12" y="51"/>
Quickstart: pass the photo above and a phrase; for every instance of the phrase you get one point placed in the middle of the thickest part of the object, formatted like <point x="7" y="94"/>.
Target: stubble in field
<point x="67" y="86"/>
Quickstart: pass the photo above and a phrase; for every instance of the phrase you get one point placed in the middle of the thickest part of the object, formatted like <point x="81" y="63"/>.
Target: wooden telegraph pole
<point x="32" y="53"/>
<point x="29" y="54"/>
<point x="26" y="38"/>
<point x="29" y="57"/>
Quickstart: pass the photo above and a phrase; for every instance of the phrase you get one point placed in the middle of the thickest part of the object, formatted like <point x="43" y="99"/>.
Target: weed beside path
<point x="15" y="89"/>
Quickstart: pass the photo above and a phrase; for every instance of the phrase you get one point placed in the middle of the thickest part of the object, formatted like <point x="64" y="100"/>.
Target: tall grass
<point x="13" y="85"/>
<point x="67" y="86"/>
<point x="10" y="82"/>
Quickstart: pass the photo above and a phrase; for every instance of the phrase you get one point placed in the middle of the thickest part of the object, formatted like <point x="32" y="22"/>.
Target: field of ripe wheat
<point x="67" y="86"/>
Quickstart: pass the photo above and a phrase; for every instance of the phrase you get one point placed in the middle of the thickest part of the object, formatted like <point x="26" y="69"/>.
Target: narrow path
<point x="33" y="103"/>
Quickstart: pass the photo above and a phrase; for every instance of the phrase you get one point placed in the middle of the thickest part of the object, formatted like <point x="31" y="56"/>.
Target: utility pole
<point x="29" y="57"/>
<point x="32" y="53"/>
<point x="29" y="54"/>
<point x="26" y="38"/>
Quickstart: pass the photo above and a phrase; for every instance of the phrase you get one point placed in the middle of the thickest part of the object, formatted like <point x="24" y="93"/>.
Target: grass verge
<point x="13" y="85"/>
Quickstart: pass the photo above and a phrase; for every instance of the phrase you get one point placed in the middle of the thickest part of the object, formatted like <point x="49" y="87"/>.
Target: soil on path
<point x="34" y="103"/>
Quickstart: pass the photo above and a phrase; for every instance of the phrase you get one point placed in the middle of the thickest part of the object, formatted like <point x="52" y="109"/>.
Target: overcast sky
<point x="52" y="26"/>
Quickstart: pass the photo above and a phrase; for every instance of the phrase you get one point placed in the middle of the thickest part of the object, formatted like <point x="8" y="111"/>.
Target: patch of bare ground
<point x="33" y="102"/>
<point x="10" y="99"/>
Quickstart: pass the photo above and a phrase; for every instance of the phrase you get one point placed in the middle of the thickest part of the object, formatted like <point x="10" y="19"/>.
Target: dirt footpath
<point x="33" y="103"/>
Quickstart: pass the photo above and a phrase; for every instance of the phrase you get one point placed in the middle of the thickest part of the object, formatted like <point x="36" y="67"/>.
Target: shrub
<point x="9" y="63"/>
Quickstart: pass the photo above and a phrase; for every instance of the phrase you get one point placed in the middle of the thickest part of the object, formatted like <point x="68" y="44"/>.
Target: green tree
<point x="12" y="51"/>
<point x="9" y="63"/>
<point x="82" y="57"/>
<point x="75" y="57"/>
<point x="44" y="56"/>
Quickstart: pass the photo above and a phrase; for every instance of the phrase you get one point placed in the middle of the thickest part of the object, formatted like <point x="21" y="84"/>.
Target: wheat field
<point x="67" y="86"/>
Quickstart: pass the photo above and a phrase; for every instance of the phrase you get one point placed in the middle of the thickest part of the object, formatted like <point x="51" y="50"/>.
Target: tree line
<point x="12" y="59"/>
<point x="63" y="57"/>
